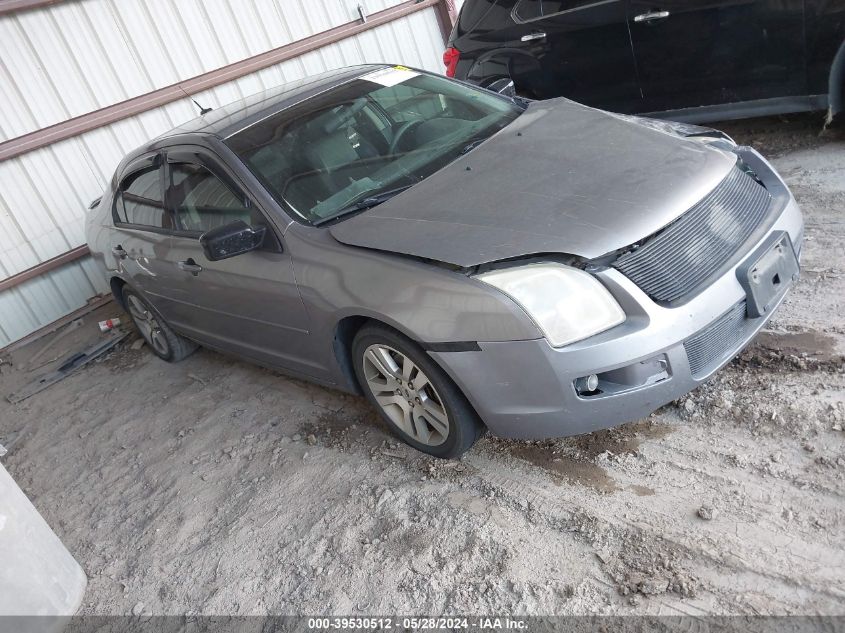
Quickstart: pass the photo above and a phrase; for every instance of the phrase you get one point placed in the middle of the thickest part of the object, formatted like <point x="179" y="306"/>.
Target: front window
<point x="201" y="201"/>
<point x="364" y="140"/>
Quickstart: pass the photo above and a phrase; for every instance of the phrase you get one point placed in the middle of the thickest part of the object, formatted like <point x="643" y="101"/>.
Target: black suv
<point x="689" y="59"/>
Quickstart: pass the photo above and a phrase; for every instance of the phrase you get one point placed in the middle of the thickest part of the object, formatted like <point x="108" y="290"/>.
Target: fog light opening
<point x="587" y="385"/>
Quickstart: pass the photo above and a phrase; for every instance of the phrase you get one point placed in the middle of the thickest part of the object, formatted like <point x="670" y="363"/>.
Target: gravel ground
<point x="213" y="486"/>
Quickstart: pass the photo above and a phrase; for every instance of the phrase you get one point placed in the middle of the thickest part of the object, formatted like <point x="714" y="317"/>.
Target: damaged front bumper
<point x="528" y="389"/>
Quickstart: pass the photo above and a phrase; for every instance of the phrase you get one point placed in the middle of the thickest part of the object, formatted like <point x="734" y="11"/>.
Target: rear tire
<point x="162" y="340"/>
<point x="417" y="399"/>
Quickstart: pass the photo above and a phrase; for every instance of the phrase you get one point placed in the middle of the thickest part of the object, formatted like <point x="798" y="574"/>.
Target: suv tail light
<point x="450" y="58"/>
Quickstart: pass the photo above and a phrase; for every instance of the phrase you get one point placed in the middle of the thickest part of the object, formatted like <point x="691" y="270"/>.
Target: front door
<point x="692" y="53"/>
<point x="583" y="51"/>
<point x="250" y="303"/>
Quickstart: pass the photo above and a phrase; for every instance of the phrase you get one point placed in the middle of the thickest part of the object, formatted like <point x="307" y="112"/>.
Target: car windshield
<point x="358" y="144"/>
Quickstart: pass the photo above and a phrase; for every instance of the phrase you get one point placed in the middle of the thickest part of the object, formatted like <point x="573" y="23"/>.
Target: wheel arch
<point x="499" y="63"/>
<point x="836" y="84"/>
<point x="348" y="327"/>
<point x="344" y="334"/>
<point x="116" y="284"/>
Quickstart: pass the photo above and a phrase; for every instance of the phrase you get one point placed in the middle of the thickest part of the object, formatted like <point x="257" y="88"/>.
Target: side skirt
<point x="743" y="109"/>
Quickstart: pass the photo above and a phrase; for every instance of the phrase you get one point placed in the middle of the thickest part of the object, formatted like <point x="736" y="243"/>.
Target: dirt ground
<point x="212" y="486"/>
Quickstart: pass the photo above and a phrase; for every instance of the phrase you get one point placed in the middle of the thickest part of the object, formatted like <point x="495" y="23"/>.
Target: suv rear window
<point x="529" y="10"/>
<point x="472" y="13"/>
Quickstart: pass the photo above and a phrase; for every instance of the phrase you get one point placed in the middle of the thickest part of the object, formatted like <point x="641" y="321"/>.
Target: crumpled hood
<point x="562" y="178"/>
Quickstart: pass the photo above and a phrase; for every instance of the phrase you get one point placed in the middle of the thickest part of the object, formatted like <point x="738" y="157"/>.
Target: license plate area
<point x="768" y="274"/>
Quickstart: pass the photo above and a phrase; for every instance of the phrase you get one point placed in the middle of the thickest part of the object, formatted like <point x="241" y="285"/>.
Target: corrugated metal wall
<point x="78" y="56"/>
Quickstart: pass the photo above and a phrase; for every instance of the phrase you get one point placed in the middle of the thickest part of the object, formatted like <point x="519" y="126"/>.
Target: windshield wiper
<point x="471" y="146"/>
<point x="362" y="205"/>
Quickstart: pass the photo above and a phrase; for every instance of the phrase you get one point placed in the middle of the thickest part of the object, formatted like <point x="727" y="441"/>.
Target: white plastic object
<point x="38" y="576"/>
<point x="108" y="324"/>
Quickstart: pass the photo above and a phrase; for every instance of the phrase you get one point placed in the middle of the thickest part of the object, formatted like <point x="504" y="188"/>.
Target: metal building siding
<point x="71" y="58"/>
<point x="40" y="301"/>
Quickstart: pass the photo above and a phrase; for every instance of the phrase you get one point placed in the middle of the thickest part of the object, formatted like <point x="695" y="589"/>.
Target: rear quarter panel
<point x="98" y="233"/>
<point x="825" y="28"/>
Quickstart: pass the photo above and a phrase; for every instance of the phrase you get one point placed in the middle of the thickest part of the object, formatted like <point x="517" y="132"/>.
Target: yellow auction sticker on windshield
<point x="390" y="76"/>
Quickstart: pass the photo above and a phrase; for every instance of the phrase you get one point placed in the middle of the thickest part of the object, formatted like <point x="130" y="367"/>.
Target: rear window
<point x="140" y="200"/>
<point x="474" y="11"/>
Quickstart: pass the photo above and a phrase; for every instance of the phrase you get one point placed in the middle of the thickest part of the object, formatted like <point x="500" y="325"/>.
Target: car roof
<point x="235" y="116"/>
<point x="227" y="120"/>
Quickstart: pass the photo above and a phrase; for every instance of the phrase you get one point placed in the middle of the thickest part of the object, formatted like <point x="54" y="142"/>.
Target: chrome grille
<point x="718" y="341"/>
<point x="674" y="263"/>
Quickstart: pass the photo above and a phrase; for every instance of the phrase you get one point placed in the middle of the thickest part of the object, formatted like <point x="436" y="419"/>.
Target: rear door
<point x="697" y="53"/>
<point x="142" y="226"/>
<point x="250" y="303"/>
<point x="583" y="50"/>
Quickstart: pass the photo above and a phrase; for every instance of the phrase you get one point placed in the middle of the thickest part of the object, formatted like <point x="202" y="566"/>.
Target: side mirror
<point x="503" y="86"/>
<point x="231" y="239"/>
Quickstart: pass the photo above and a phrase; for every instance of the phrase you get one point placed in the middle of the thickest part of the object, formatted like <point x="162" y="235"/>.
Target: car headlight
<point x="566" y="303"/>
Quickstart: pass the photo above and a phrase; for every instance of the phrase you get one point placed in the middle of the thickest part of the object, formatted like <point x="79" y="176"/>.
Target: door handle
<point x="118" y="252"/>
<point x="651" y="16"/>
<point x="536" y="35"/>
<point x="190" y="266"/>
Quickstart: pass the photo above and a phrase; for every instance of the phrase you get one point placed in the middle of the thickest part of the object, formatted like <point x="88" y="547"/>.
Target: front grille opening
<point x="710" y="348"/>
<point x="673" y="265"/>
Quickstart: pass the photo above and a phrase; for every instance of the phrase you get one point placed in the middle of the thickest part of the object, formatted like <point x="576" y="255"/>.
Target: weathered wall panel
<point x="78" y="56"/>
<point x="40" y="301"/>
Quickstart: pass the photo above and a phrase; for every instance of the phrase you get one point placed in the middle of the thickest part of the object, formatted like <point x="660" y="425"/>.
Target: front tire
<point x="163" y="341"/>
<point x="419" y="402"/>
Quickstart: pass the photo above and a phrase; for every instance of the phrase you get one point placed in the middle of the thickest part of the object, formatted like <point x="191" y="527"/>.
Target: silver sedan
<point x="464" y="259"/>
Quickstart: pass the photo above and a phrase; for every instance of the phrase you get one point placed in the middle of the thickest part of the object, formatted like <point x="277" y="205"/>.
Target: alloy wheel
<point x="148" y="326"/>
<point x="406" y="395"/>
